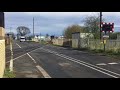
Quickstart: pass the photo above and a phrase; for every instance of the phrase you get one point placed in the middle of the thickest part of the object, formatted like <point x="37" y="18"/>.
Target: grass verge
<point x="110" y="53"/>
<point x="8" y="74"/>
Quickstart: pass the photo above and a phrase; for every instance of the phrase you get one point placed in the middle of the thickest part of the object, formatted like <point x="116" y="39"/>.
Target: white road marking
<point x="24" y="54"/>
<point x="64" y="64"/>
<point x="18" y="45"/>
<point x="100" y="64"/>
<point x="31" y="57"/>
<point x="84" y="63"/>
<point x="17" y="57"/>
<point x="113" y="63"/>
<point x="45" y="74"/>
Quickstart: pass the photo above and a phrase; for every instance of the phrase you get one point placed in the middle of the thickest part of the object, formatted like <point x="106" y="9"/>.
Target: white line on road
<point x="18" y="45"/>
<point x="45" y="74"/>
<point x="84" y="63"/>
<point x="24" y="54"/>
<point x="17" y="57"/>
<point x="100" y="64"/>
<point x="113" y="63"/>
<point x="31" y="58"/>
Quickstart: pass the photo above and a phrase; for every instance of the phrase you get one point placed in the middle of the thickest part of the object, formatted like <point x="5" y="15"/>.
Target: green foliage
<point x="114" y="35"/>
<point x="72" y="29"/>
<point x="9" y="74"/>
<point x="92" y="25"/>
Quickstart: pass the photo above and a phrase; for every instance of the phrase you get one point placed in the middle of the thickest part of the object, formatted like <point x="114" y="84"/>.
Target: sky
<point x="53" y="23"/>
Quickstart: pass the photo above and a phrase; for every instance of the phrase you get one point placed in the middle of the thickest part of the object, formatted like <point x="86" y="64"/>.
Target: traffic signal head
<point x="107" y="27"/>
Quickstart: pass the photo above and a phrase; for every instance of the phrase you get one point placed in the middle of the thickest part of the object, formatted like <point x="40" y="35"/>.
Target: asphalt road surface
<point x="33" y="60"/>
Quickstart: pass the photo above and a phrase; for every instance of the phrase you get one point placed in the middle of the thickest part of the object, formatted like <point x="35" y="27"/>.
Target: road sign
<point x="105" y="36"/>
<point x="107" y="27"/>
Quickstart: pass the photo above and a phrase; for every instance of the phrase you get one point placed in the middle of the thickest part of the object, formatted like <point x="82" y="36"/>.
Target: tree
<point x="91" y="24"/>
<point x="72" y="29"/>
<point x="22" y="30"/>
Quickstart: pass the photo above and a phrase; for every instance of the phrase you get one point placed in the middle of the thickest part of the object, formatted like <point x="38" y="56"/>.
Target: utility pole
<point x="40" y="37"/>
<point x="100" y="25"/>
<point x="33" y="26"/>
<point x="10" y="29"/>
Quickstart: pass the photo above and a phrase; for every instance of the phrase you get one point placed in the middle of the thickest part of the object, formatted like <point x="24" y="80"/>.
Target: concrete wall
<point x="58" y="42"/>
<point x="2" y="33"/>
<point x="2" y="51"/>
<point x="113" y="45"/>
<point x="75" y="43"/>
<point x="62" y="42"/>
<point x="2" y="57"/>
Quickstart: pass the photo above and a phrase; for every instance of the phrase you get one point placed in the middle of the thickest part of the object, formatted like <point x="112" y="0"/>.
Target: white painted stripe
<point x="75" y="60"/>
<point x="101" y="64"/>
<point x="18" y="45"/>
<point x="113" y="63"/>
<point x="31" y="58"/>
<point x="17" y="57"/>
<point x="88" y="64"/>
<point x="45" y="74"/>
<point x="24" y="54"/>
<point x="73" y="49"/>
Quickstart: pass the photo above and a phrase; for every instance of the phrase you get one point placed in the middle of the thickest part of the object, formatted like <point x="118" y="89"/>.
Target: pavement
<point x="33" y="60"/>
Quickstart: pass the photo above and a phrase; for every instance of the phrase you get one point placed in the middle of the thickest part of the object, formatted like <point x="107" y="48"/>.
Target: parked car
<point x="22" y="39"/>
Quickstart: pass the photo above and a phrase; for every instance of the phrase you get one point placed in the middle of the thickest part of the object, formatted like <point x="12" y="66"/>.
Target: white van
<point x="22" y="39"/>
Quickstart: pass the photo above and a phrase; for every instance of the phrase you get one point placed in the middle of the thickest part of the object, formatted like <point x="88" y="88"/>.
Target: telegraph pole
<point x="100" y="24"/>
<point x="10" y="29"/>
<point x="33" y="26"/>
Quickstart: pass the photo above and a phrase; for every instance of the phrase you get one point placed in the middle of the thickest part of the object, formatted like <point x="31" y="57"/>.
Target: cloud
<point x="111" y="14"/>
<point x="63" y="14"/>
<point x="53" y="22"/>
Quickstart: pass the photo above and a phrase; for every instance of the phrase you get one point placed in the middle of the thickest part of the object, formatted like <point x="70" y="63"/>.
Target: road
<point x="33" y="60"/>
